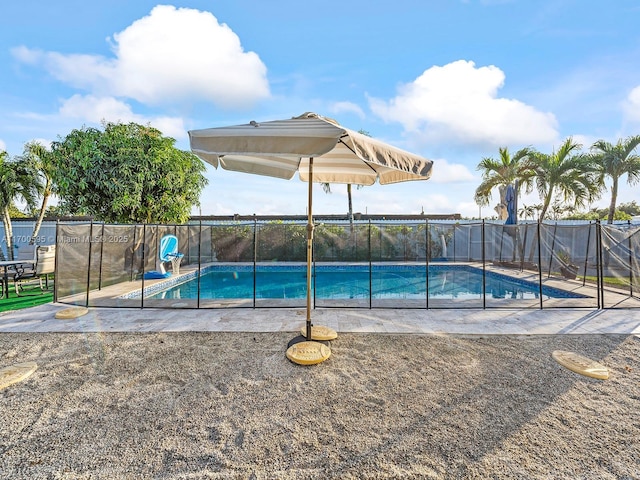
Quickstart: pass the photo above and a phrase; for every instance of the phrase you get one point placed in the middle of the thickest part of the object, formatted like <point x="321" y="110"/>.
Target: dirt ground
<point x="230" y="405"/>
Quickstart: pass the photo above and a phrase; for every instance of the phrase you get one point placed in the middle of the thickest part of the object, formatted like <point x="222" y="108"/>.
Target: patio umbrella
<point x="316" y="147"/>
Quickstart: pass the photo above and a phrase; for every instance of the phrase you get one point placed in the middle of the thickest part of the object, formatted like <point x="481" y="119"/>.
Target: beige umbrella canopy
<point x="316" y="147"/>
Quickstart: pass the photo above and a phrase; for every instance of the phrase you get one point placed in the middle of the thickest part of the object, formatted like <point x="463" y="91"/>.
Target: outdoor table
<point x="6" y="265"/>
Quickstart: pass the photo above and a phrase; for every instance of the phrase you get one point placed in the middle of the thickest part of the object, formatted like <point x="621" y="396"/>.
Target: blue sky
<point x="450" y="80"/>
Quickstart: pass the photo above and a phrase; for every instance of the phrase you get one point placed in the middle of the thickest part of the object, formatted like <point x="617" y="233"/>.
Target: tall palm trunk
<point x="545" y="207"/>
<point x="43" y="208"/>
<point x="350" y="206"/>
<point x="8" y="232"/>
<point x="614" y="198"/>
<point x="2" y="255"/>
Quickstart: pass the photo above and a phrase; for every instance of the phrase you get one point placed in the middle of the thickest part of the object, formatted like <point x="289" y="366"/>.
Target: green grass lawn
<point x="30" y="298"/>
<point x="610" y="281"/>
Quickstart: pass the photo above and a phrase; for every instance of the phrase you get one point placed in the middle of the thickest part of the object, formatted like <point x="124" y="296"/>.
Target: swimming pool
<point x="356" y="282"/>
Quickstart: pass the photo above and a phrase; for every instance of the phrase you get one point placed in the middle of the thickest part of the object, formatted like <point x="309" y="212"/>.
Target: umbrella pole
<point x="309" y="247"/>
<point x="304" y="350"/>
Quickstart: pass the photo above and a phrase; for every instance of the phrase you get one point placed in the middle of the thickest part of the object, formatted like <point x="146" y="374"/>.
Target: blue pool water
<point x="355" y="281"/>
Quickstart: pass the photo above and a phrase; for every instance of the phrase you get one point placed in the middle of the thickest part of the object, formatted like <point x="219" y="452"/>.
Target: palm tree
<point x="41" y="161"/>
<point x="527" y="211"/>
<point x="614" y="161"/>
<point x="17" y="182"/>
<point x="558" y="209"/>
<point x="538" y="208"/>
<point x="502" y="172"/>
<point x="327" y="189"/>
<point x="566" y="173"/>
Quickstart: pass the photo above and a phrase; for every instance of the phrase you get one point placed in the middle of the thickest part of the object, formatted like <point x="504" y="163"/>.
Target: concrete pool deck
<point x="346" y="320"/>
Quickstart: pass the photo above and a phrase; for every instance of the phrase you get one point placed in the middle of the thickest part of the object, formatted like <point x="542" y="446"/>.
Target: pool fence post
<point x="144" y="262"/>
<point x="55" y="262"/>
<point x="199" y="259"/>
<point x="426" y="261"/>
<point x="599" y="247"/>
<point x="630" y="261"/>
<point x="314" y="274"/>
<point x="370" y="267"/>
<point x="540" y="261"/>
<point x="484" y="269"/>
<point x="255" y="256"/>
<point x="634" y="276"/>
<point x="89" y="264"/>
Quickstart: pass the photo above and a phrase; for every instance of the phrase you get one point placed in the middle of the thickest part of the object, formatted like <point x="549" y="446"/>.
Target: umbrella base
<point x="306" y="352"/>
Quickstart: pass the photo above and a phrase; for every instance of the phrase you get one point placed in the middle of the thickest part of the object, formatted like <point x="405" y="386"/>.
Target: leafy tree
<point x="630" y="208"/>
<point x="600" y="214"/>
<point x="15" y="212"/>
<point x="498" y="173"/>
<point x="233" y="243"/>
<point x="565" y="172"/>
<point x="624" y="211"/>
<point x="56" y="211"/>
<point x="614" y="161"/>
<point x="17" y="182"/>
<point x="126" y="173"/>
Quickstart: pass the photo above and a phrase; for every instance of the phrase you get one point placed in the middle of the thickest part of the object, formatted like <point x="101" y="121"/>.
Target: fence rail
<point x="412" y="264"/>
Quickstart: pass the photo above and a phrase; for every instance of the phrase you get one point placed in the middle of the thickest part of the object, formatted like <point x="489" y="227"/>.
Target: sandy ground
<point x="230" y="405"/>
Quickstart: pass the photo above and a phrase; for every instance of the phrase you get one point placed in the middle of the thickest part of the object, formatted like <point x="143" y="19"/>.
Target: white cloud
<point x="632" y="105"/>
<point x="94" y="109"/>
<point x="3" y="146"/>
<point x="170" y="55"/>
<point x="471" y="210"/>
<point x="347" y="107"/>
<point x="460" y="102"/>
<point x="434" y="203"/>
<point x="27" y="55"/>
<point x="445" y="172"/>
